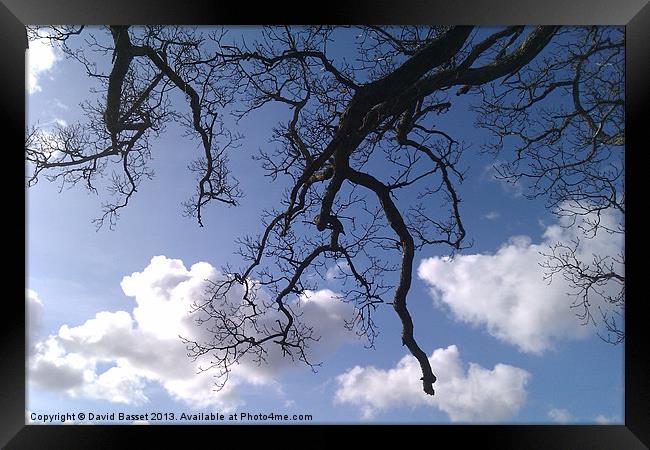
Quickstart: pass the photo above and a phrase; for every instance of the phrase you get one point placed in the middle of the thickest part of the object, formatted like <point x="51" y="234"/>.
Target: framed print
<point x="379" y="215"/>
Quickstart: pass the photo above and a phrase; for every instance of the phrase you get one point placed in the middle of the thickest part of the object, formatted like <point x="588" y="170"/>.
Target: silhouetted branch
<point x="344" y="119"/>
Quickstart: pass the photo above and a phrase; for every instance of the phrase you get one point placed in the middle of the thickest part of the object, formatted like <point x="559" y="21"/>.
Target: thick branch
<point x="396" y="222"/>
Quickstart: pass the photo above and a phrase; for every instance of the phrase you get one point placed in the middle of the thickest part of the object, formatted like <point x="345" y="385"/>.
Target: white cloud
<point x="604" y="420"/>
<point x="40" y="58"/>
<point x="473" y="395"/>
<point x="119" y="384"/>
<point x="34" y="317"/>
<point x="492" y="215"/>
<point x="560" y="415"/>
<point x="514" y="188"/>
<point x="506" y="293"/>
<point x="143" y="346"/>
<point x="59" y="104"/>
<point x="338" y="270"/>
<point x="60" y="122"/>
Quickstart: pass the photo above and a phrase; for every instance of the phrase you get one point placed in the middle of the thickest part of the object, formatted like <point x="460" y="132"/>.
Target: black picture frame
<point x="14" y="14"/>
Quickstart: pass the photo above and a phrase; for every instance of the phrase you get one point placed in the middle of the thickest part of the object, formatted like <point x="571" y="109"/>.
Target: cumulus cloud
<point x="473" y="395"/>
<point x="40" y="57"/>
<point x="560" y="415"/>
<point x="506" y="292"/>
<point x="142" y="346"/>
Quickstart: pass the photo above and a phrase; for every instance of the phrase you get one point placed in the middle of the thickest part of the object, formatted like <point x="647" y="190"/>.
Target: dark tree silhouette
<point x="564" y="116"/>
<point x="341" y="117"/>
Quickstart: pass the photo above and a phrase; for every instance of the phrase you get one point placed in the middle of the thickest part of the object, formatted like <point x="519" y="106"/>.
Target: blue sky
<point x="508" y="351"/>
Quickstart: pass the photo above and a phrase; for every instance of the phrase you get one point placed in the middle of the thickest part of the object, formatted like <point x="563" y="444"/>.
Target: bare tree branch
<point x="344" y="119"/>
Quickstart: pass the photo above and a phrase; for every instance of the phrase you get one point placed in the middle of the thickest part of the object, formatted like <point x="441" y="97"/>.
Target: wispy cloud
<point x="34" y="307"/>
<point x="339" y="270"/>
<point x="514" y="188"/>
<point x="559" y="415"/>
<point x="604" y="420"/>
